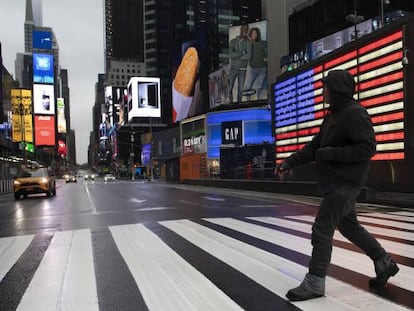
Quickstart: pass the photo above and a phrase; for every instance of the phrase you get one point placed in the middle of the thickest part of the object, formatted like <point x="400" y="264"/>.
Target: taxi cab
<point x="32" y="181"/>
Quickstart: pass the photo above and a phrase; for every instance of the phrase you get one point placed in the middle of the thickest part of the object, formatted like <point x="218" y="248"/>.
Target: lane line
<point x="166" y="281"/>
<point x="350" y="260"/>
<point x="391" y="246"/>
<point x="275" y="273"/>
<point x="393" y="233"/>
<point x="11" y="248"/>
<point x="65" y="278"/>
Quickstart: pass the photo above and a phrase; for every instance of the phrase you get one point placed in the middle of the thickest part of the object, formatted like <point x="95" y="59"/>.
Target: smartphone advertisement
<point x="44" y="99"/>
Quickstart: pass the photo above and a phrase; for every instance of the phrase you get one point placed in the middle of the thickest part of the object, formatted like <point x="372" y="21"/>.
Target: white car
<point x="109" y="178"/>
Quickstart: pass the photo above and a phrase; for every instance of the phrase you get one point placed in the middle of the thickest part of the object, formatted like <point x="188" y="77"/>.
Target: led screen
<point x="44" y="99"/>
<point x="378" y="71"/>
<point x="44" y="130"/>
<point x="257" y="128"/>
<point x="42" y="40"/>
<point x="145" y="97"/>
<point x="43" y="68"/>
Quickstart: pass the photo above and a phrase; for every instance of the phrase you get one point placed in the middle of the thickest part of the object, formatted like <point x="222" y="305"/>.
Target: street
<point x="142" y="245"/>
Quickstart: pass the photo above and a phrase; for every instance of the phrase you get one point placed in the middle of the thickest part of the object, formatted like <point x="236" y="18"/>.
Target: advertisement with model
<point x="144" y="97"/>
<point x="244" y="79"/>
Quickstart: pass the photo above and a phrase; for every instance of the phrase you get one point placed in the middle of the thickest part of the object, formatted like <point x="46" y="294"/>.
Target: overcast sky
<point x="78" y="26"/>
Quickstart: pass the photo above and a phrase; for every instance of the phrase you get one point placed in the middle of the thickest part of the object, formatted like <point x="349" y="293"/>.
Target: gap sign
<point x="232" y="133"/>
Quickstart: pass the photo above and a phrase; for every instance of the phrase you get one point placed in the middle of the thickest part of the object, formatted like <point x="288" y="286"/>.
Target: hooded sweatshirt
<point x="343" y="148"/>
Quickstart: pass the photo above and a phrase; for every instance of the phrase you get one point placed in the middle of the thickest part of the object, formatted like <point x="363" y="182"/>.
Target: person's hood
<point x="341" y="86"/>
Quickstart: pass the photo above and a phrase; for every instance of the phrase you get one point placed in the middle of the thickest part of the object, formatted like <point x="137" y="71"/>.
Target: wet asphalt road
<point x="156" y="246"/>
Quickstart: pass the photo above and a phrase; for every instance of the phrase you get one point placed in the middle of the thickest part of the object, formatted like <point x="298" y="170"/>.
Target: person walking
<point x="342" y="151"/>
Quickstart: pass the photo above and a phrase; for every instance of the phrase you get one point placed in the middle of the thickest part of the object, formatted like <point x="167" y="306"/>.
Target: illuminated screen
<point x="256" y="128"/>
<point x="44" y="130"/>
<point x="145" y="97"/>
<point x="44" y="99"/>
<point x="43" y="68"/>
<point x="42" y="40"/>
<point x="378" y="71"/>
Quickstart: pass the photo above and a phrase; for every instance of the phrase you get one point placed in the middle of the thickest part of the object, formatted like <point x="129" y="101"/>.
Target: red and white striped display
<point x="378" y="72"/>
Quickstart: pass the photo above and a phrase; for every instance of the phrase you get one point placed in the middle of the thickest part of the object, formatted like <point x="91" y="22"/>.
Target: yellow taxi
<point x="32" y="181"/>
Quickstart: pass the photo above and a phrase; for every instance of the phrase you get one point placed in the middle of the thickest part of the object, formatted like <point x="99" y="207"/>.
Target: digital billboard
<point x="144" y="98"/>
<point x="43" y="68"/>
<point x="44" y="99"/>
<point x="378" y="71"/>
<point x="42" y="40"/>
<point x="22" y="125"/>
<point x="190" y="75"/>
<point x="44" y="130"/>
<point x="245" y="78"/>
<point x="61" y="119"/>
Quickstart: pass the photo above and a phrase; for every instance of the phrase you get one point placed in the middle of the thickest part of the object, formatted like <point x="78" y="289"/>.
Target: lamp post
<point x="131" y="156"/>
<point x="382" y="4"/>
<point x="23" y="129"/>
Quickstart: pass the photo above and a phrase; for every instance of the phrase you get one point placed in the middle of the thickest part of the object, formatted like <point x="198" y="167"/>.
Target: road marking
<point x="65" y="278"/>
<point x="214" y="199"/>
<point x="135" y="200"/>
<point x="11" y="248"/>
<point x="166" y="280"/>
<point x="341" y="257"/>
<point x="93" y="207"/>
<point x="273" y="272"/>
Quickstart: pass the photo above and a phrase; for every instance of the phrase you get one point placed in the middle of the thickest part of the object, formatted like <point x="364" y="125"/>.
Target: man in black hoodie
<point x="342" y="151"/>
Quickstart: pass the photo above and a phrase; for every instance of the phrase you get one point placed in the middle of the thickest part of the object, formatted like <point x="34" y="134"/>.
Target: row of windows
<point x="122" y="70"/>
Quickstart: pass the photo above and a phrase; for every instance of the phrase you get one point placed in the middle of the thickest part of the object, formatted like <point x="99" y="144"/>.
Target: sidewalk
<point x="368" y="195"/>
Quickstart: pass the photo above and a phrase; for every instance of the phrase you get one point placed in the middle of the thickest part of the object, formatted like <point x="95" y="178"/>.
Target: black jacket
<point x="346" y="142"/>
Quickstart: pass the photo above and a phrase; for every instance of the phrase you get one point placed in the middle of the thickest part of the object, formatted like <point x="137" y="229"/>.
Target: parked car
<point x="109" y="178"/>
<point x="70" y="178"/>
<point x="34" y="180"/>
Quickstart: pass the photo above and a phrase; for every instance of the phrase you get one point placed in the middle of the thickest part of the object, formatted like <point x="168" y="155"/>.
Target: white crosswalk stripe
<point x="65" y="277"/>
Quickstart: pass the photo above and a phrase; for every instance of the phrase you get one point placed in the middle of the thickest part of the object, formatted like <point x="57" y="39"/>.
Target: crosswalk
<point x="207" y="264"/>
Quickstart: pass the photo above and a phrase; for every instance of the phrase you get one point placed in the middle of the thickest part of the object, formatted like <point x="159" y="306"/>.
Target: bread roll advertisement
<point x="187" y="94"/>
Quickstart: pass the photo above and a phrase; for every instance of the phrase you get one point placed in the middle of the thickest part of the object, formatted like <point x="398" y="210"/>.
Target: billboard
<point x="190" y="75"/>
<point x="378" y="71"/>
<point x="245" y="78"/>
<point x="144" y="97"/>
<point x="61" y="119"/>
<point x="43" y="68"/>
<point x="44" y="99"/>
<point x="22" y="126"/>
<point x="44" y="130"/>
<point x="42" y="40"/>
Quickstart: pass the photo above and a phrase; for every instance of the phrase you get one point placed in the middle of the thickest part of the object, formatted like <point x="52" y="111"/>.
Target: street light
<point x="382" y="4"/>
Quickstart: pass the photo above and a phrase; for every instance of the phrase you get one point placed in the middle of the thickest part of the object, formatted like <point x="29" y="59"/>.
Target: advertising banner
<point x="193" y="136"/>
<point x="44" y="99"/>
<point x="22" y="126"/>
<point x="43" y="68"/>
<point x="45" y="130"/>
<point x="144" y="97"/>
<point x="61" y="119"/>
<point x="189" y="87"/>
<point x="245" y="78"/>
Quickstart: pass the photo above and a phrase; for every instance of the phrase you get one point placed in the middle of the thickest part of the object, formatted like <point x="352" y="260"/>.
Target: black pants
<point x="337" y="210"/>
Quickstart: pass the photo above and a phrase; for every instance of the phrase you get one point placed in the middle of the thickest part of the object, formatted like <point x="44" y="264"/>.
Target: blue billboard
<point x="256" y="128"/>
<point x="43" y="68"/>
<point x="42" y="40"/>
